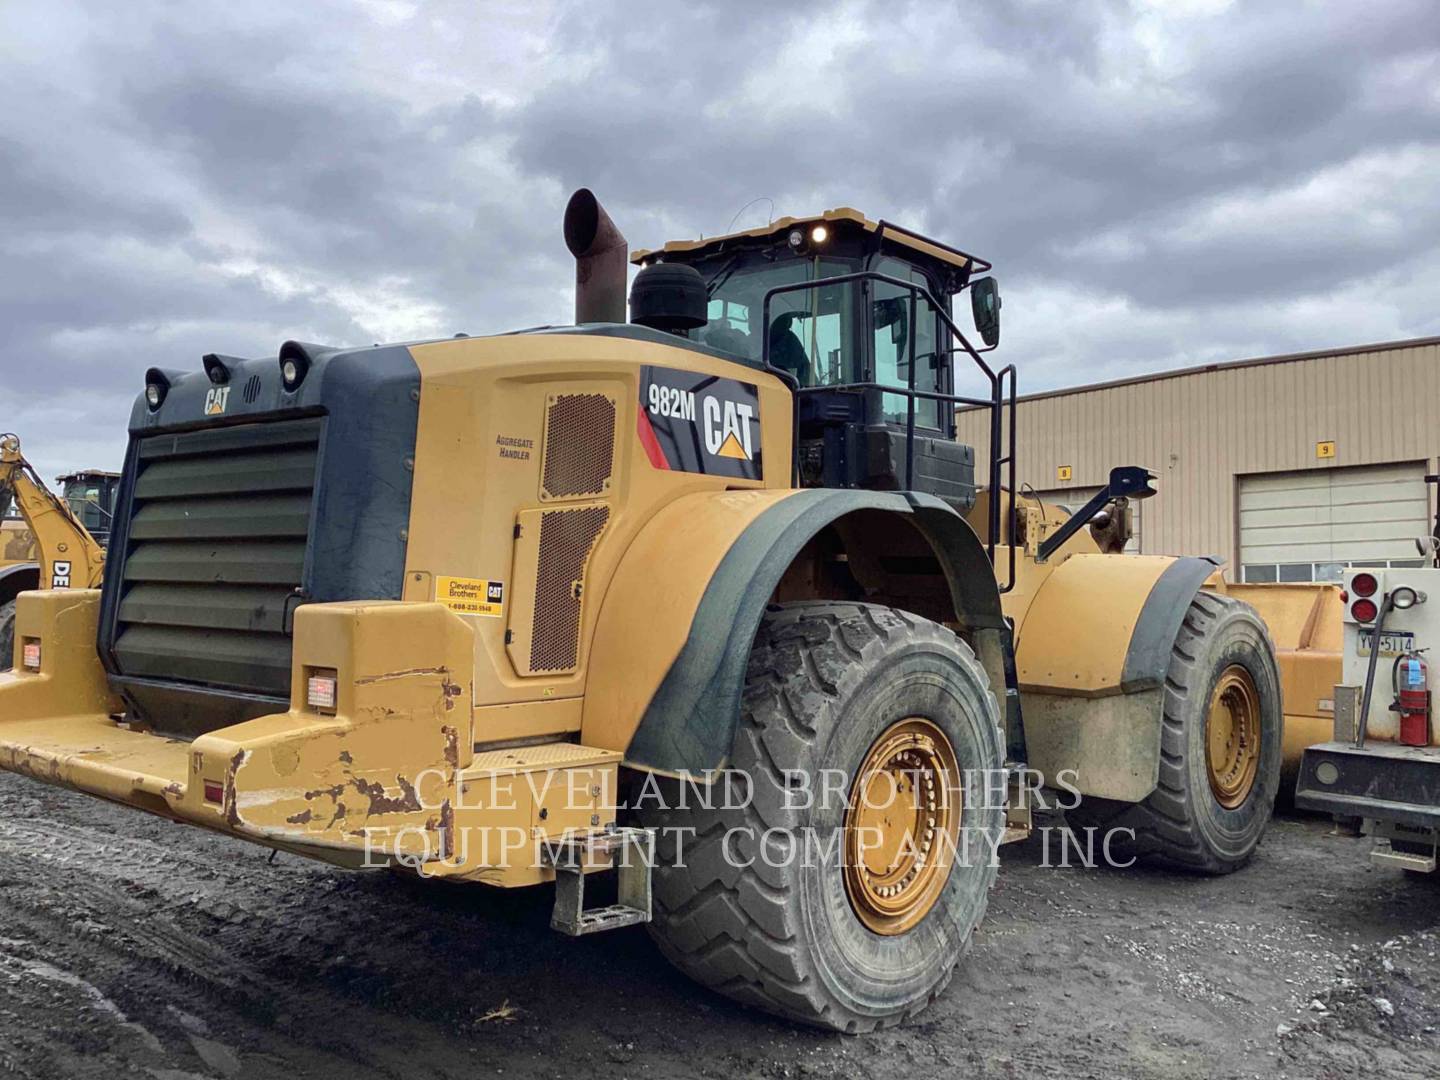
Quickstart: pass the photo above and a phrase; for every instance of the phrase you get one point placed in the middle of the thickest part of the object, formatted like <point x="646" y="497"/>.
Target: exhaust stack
<point x="601" y="255"/>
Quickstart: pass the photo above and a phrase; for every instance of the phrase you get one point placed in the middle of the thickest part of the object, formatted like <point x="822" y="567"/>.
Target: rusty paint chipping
<point x="231" y="811"/>
<point x="380" y="803"/>
<point x="408" y="673"/>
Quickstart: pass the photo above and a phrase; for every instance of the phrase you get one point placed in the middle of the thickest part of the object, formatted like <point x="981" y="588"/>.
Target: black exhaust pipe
<point x="601" y="255"/>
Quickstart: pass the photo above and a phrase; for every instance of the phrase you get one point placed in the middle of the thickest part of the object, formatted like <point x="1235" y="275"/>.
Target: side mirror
<point x="985" y="307"/>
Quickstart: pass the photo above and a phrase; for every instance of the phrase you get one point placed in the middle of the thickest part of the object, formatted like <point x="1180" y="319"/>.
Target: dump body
<point x="1305" y="623"/>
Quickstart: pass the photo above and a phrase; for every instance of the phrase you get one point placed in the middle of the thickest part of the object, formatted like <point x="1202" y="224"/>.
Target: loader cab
<point x="854" y="314"/>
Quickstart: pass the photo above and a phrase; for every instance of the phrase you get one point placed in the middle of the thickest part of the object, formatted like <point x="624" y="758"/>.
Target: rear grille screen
<point x="215" y="555"/>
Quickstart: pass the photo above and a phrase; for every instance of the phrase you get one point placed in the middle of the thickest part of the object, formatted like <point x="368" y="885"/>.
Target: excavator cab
<point x="856" y="315"/>
<point x="90" y="494"/>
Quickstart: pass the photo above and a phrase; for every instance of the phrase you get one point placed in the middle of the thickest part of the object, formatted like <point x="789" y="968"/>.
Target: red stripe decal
<point x="648" y="440"/>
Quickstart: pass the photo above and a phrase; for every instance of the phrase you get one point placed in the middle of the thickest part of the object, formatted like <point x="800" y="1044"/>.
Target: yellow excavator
<point x="50" y="547"/>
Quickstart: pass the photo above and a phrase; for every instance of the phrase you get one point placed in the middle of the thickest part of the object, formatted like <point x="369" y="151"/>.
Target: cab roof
<point x="841" y="215"/>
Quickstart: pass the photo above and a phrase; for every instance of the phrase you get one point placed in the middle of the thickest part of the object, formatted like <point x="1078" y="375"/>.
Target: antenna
<point x="752" y="202"/>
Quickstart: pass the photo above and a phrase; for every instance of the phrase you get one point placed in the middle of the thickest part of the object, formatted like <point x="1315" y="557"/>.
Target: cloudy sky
<point x="1158" y="184"/>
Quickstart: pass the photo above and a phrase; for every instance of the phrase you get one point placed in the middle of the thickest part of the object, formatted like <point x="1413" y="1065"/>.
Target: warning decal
<point x="697" y="423"/>
<point x="471" y="596"/>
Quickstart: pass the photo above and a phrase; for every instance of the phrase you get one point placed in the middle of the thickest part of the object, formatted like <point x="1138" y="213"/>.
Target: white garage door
<point x="1072" y="499"/>
<point x="1308" y="526"/>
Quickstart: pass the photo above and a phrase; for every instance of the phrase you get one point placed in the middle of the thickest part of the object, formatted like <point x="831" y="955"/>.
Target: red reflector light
<point x="1364" y="610"/>
<point x="1364" y="585"/>
<point x="30" y="655"/>
<point x="214" y="791"/>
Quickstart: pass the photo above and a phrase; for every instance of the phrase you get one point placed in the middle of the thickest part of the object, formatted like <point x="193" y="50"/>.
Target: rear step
<point x="1382" y="854"/>
<point x="570" y="857"/>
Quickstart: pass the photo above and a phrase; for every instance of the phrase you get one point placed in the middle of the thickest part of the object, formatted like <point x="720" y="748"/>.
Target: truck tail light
<point x="1364" y="610"/>
<point x="30" y="655"/>
<point x="320" y="690"/>
<point x="1364" y="585"/>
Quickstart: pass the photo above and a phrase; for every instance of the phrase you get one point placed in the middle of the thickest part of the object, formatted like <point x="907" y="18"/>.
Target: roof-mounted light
<point x="819" y="234"/>
<point x="216" y="368"/>
<point x="294" y="364"/>
<point x="157" y="385"/>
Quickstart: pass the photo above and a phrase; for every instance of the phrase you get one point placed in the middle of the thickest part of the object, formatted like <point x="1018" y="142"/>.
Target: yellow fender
<point x="667" y="668"/>
<point x="1091" y="656"/>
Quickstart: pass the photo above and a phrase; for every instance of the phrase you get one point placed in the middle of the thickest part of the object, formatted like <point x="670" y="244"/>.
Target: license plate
<point x="1392" y="642"/>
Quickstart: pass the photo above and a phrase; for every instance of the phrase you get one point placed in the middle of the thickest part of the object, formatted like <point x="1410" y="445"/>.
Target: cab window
<point x="891" y="333"/>
<point x="811" y="330"/>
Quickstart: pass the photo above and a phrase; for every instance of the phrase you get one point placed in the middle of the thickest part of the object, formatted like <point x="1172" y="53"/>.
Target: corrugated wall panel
<point x="1199" y="430"/>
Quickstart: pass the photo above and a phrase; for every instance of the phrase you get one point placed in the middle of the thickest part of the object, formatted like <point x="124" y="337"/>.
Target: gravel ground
<point x="133" y="947"/>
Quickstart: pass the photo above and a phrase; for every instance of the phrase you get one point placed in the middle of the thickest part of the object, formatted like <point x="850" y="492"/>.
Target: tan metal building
<point x="1289" y="467"/>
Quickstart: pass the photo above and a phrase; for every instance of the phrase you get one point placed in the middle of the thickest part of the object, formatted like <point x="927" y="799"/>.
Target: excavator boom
<point x="70" y="558"/>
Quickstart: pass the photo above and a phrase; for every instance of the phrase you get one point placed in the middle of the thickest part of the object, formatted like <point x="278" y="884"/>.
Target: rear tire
<point x="7" y="635"/>
<point x="1202" y="816"/>
<point x="826" y="686"/>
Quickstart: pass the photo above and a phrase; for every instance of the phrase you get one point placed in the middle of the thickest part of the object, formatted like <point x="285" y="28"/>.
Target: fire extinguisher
<point x="1411" y="678"/>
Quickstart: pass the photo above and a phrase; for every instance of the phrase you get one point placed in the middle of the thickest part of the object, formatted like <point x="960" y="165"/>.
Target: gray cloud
<point x="1156" y="188"/>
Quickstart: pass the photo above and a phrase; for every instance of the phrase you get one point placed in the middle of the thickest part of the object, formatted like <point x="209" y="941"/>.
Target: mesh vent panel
<point x="566" y="539"/>
<point x="579" y="445"/>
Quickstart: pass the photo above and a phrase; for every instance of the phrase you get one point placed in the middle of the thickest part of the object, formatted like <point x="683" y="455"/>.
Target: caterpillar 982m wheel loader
<point x="49" y="545"/>
<point x="717" y="578"/>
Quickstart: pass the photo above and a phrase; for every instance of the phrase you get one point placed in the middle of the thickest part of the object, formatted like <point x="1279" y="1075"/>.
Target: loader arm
<point x="69" y="556"/>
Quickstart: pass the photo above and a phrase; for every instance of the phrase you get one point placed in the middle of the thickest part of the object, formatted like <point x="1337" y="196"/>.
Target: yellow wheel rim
<point x="1232" y="737"/>
<point x="901" y="826"/>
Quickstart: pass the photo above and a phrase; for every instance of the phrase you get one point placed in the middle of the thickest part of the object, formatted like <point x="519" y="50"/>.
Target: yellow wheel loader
<point x="709" y="595"/>
<point x="48" y="544"/>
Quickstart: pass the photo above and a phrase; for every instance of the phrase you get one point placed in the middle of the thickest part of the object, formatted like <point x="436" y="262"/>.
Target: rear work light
<point x="1364" y="610"/>
<point x="1364" y="584"/>
<point x="320" y="691"/>
<point x="30" y="655"/>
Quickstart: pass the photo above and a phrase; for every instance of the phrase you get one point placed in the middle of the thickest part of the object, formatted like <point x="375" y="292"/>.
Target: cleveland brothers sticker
<point x="697" y="423"/>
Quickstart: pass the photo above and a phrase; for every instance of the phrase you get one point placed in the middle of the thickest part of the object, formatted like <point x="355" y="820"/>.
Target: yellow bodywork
<point x="442" y="751"/>
<point x="390" y="775"/>
<point x="485" y="395"/>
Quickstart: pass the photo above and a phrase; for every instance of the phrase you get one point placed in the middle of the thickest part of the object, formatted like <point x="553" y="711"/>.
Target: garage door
<point x="1071" y="499"/>
<point x="1308" y="526"/>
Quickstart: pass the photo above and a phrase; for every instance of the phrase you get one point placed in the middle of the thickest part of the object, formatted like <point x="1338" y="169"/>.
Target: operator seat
<point x="728" y="339"/>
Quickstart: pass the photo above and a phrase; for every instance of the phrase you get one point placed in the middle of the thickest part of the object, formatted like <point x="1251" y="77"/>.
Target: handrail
<point x="996" y="403"/>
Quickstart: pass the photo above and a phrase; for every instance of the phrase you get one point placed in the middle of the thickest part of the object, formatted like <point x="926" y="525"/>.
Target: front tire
<point x="750" y="897"/>
<point x="1220" y="747"/>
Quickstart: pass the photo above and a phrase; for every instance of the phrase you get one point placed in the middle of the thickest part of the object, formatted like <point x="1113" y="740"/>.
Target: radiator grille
<point x="579" y="445"/>
<point x="566" y="539"/>
<point x="215" y="555"/>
